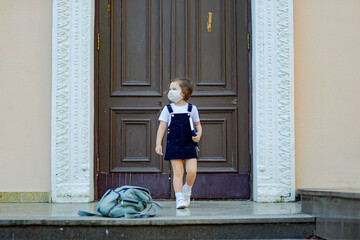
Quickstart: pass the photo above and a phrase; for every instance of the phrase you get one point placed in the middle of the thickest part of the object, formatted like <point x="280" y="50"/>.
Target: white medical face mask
<point x="174" y="95"/>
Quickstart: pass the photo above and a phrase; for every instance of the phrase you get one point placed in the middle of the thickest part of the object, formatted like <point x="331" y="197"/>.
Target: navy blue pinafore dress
<point x="179" y="139"/>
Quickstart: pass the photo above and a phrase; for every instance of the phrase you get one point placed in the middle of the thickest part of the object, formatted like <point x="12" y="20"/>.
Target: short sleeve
<point x="164" y="116"/>
<point x="195" y="114"/>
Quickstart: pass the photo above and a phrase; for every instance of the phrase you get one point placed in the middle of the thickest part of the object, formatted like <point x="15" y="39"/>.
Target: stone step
<point x="202" y="220"/>
<point x="337" y="211"/>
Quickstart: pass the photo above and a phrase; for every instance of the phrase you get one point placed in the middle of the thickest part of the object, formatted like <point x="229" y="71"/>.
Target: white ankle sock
<point x="179" y="195"/>
<point x="187" y="188"/>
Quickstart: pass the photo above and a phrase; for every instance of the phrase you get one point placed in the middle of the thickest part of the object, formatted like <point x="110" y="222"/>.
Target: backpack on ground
<point x="126" y="201"/>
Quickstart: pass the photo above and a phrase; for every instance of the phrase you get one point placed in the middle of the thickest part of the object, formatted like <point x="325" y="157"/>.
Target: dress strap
<point x="190" y="107"/>
<point x="169" y="108"/>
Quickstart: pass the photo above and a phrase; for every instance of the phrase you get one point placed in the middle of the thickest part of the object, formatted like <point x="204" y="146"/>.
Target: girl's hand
<point x="158" y="149"/>
<point x="196" y="138"/>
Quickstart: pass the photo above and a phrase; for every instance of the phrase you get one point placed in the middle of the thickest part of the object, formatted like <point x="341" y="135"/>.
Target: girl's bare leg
<point x="178" y="173"/>
<point x="191" y="169"/>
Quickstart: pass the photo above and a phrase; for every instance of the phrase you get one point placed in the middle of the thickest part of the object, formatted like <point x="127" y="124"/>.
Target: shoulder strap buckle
<point x="190" y="107"/>
<point x="169" y="108"/>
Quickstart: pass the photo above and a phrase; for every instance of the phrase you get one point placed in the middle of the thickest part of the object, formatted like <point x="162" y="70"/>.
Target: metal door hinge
<point x="98" y="163"/>
<point x="248" y="41"/>
<point x="98" y="41"/>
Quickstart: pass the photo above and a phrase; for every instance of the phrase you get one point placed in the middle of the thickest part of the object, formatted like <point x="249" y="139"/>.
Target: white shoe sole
<point x="181" y="204"/>
<point x="181" y="207"/>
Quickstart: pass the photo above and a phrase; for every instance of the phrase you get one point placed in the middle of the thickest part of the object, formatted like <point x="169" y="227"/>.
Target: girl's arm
<point x="198" y="132"/>
<point x="159" y="137"/>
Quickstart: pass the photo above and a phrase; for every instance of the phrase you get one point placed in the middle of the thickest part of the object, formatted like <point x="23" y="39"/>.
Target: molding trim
<point x="273" y="101"/>
<point x="72" y="101"/>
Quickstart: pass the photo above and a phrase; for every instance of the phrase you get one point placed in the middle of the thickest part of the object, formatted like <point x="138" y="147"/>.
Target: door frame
<point x="272" y="102"/>
<point x="96" y="98"/>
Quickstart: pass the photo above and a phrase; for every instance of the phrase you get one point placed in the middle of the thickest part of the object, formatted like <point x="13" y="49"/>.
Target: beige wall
<point x="327" y="93"/>
<point x="327" y="90"/>
<point x="25" y="95"/>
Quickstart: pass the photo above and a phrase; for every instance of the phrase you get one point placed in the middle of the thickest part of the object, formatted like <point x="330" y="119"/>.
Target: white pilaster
<point x="72" y="124"/>
<point x="273" y="101"/>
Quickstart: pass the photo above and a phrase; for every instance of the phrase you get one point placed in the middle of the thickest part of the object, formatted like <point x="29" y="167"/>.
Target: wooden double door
<point x="143" y="44"/>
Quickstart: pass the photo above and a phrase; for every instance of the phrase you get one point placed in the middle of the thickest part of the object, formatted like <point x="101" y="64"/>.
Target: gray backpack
<point x="126" y="201"/>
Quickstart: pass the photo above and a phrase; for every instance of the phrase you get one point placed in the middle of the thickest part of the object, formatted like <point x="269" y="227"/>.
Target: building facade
<point x="302" y="87"/>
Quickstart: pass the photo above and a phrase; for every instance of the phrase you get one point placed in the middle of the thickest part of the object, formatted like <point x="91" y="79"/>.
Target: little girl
<point x="180" y="142"/>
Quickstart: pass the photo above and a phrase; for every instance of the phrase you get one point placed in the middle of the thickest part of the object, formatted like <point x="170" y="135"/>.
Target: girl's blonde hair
<point x="186" y="86"/>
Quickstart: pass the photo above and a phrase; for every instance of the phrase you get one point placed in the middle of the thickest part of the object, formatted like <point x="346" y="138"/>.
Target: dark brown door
<point x="143" y="45"/>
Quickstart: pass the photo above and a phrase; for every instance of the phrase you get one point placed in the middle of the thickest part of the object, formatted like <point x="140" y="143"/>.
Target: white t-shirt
<point x="166" y="116"/>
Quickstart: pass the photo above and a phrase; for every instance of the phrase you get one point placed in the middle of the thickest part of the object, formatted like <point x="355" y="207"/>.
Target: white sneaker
<point x="186" y="196"/>
<point x="180" y="203"/>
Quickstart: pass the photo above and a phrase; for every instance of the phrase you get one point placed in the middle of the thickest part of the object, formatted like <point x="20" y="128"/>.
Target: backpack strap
<point x="145" y="213"/>
<point x="137" y="215"/>
<point x="89" y="214"/>
<point x="83" y="213"/>
<point x="190" y="107"/>
<point x="169" y="108"/>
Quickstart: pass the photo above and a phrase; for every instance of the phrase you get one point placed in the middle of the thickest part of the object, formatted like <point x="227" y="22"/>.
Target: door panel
<point x="218" y="143"/>
<point x="132" y="140"/>
<point x="146" y="43"/>
<point x="211" y="41"/>
<point x="212" y="55"/>
<point x="224" y="185"/>
<point x="136" y="48"/>
<point x="131" y="74"/>
<point x="147" y="180"/>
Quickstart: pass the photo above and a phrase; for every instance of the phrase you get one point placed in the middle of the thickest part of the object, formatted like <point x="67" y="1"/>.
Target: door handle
<point x="234" y="101"/>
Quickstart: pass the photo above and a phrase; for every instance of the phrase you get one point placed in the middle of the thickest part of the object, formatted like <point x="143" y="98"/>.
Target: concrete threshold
<point x="203" y="219"/>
